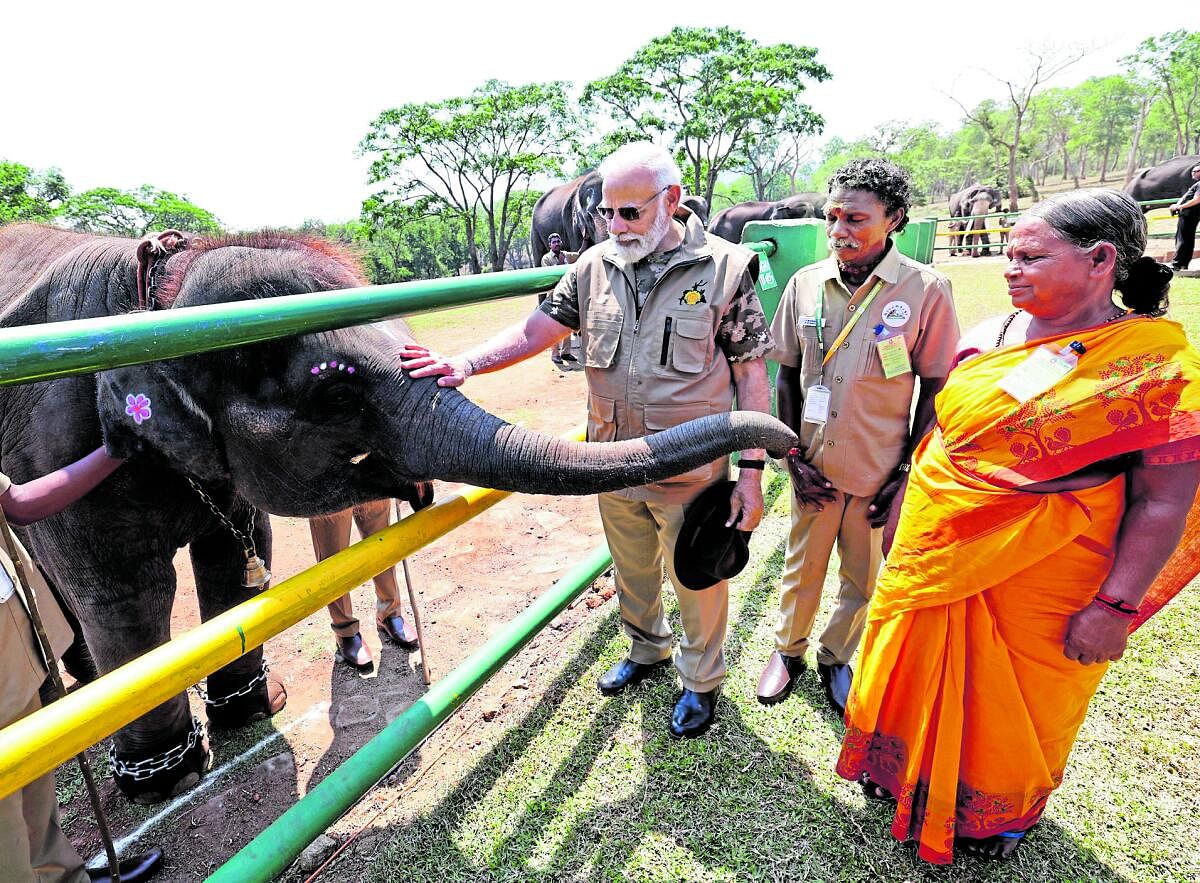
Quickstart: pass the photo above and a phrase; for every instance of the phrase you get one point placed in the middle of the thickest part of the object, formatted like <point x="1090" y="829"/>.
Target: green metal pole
<point x="82" y="346"/>
<point x="272" y="851"/>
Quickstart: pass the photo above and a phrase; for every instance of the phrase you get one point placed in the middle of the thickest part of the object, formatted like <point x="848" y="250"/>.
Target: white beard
<point x="635" y="248"/>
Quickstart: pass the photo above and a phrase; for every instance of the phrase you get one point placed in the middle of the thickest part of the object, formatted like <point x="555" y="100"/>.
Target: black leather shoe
<point x="693" y="714"/>
<point x="836" y="678"/>
<point x="399" y="632"/>
<point x="133" y="869"/>
<point x="353" y="652"/>
<point x="778" y="678"/>
<point x="626" y="673"/>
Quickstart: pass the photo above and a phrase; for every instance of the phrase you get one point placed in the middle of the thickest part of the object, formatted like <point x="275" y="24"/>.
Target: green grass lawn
<point x="585" y="787"/>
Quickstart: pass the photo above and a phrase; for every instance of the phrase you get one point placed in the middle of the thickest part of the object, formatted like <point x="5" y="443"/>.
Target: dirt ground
<point x="469" y="584"/>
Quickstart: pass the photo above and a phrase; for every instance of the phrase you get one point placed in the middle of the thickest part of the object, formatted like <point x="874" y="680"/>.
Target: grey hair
<point x="1087" y="217"/>
<point x="642" y="156"/>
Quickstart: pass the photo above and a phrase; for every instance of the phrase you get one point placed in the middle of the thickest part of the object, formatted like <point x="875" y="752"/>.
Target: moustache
<point x="842" y="244"/>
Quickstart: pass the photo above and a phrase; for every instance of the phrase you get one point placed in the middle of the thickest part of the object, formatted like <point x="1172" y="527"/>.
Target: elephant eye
<point x="334" y="401"/>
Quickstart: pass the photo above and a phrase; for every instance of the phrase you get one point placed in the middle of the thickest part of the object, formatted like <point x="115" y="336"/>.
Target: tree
<point x="1004" y="129"/>
<point x="1109" y="108"/>
<point x="134" y="213"/>
<point x="1172" y="61"/>
<point x="26" y="195"/>
<point x="714" y="92"/>
<point x="472" y="156"/>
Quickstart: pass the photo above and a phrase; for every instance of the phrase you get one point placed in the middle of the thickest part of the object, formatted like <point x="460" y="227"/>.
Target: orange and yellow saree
<point x="964" y="705"/>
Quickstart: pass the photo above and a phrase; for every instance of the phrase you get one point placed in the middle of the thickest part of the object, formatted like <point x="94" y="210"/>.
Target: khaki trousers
<point x="810" y="544"/>
<point x="640" y="536"/>
<point x="330" y="535"/>
<point x="32" y="845"/>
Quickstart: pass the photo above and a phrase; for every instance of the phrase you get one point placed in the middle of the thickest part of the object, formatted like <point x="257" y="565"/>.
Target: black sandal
<point x="873" y="790"/>
<point x="995" y="848"/>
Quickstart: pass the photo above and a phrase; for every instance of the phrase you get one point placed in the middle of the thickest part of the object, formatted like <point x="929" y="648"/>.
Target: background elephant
<point x="1167" y="180"/>
<point x="570" y="211"/>
<point x="302" y="426"/>
<point x="729" y="222"/>
<point x="977" y="199"/>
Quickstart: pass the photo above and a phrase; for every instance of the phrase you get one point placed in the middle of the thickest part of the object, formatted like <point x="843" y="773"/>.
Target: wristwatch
<point x="751" y="464"/>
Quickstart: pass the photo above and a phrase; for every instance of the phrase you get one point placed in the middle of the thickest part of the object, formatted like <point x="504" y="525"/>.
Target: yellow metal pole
<point x="35" y="745"/>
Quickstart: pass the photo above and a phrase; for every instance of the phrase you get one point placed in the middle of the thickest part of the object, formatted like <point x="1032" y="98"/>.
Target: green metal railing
<point x="83" y="346"/>
<point x="272" y="851"/>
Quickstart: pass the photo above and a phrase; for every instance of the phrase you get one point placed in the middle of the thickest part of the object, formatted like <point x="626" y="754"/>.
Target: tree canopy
<point x="472" y="157"/>
<point x="714" y="92"/>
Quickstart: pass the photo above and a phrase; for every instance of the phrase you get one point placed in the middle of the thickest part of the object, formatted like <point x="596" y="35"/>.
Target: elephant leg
<point x="243" y="691"/>
<point x="164" y="752"/>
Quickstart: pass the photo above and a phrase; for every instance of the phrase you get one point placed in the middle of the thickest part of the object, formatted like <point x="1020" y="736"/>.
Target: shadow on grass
<point x="587" y="787"/>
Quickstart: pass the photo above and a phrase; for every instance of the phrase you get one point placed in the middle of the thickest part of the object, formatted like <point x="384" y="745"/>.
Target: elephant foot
<point x="149" y="780"/>
<point x="261" y="698"/>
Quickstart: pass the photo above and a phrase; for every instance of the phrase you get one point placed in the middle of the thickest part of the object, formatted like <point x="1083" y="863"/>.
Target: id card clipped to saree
<point x="1041" y="370"/>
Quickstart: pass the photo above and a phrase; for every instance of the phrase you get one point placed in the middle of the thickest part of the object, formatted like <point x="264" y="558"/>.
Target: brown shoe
<point x="353" y="652"/>
<point x="399" y="632"/>
<point x="778" y="678"/>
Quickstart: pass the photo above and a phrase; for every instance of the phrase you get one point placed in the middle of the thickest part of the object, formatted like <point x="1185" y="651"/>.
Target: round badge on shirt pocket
<point x="896" y="314"/>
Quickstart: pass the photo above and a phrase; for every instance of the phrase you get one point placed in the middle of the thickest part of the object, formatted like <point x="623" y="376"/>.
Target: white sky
<point x="254" y="109"/>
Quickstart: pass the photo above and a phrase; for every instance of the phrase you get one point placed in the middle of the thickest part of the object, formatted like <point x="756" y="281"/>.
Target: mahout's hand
<point x="746" y="501"/>
<point x="419" y="361"/>
<point x="881" y="505"/>
<point x="808" y="484"/>
<point x="1095" y="635"/>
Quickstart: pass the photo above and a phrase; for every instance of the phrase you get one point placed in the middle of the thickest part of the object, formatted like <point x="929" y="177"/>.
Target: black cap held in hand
<point x="707" y="551"/>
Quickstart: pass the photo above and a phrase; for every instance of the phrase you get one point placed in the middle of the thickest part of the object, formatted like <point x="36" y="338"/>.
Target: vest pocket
<point x="690" y="342"/>
<point x="602" y="419"/>
<point x="603" y="334"/>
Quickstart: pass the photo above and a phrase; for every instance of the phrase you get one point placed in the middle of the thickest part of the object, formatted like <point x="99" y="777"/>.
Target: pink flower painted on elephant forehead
<point x="137" y="407"/>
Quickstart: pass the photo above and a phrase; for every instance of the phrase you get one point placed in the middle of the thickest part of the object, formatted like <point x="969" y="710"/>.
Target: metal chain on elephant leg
<point x="256" y="574"/>
<point x="140" y="770"/>
<point x="260" y="678"/>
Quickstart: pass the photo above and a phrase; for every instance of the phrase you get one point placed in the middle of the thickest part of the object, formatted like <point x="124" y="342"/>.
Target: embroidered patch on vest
<point x="693" y="295"/>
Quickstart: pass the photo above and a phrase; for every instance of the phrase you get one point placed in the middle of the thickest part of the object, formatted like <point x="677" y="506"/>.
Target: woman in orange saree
<point x="1029" y="532"/>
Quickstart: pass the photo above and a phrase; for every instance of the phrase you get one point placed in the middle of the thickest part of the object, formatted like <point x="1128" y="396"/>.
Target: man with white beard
<point x="671" y="330"/>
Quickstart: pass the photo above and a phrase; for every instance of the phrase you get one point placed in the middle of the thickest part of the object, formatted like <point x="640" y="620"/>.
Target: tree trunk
<point x="1131" y="164"/>
<point x="1067" y="162"/>
<point x="1013" y="194"/>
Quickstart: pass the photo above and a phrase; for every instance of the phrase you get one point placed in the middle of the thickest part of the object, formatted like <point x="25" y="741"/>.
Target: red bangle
<point x="1115" y="606"/>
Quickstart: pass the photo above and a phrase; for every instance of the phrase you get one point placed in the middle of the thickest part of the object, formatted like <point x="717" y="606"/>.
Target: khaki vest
<point x="650" y="372"/>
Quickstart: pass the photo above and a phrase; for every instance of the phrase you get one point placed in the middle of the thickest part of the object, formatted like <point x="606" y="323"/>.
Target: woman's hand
<point x="809" y="485"/>
<point x="1095" y="635"/>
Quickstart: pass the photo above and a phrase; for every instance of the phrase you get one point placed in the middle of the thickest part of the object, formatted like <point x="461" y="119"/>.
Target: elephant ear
<point x="143" y="408"/>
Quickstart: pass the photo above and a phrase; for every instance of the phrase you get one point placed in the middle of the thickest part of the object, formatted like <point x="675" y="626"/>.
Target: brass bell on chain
<point x="256" y="573"/>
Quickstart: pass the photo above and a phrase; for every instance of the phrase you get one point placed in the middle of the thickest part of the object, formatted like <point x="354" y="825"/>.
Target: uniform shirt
<point x="862" y="442"/>
<point x="1188" y="196"/>
<point x="743" y="333"/>
<point x="549" y="259"/>
<point x="21" y="667"/>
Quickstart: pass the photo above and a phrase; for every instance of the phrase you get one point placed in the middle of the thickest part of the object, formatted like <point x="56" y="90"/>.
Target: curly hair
<point x="885" y="179"/>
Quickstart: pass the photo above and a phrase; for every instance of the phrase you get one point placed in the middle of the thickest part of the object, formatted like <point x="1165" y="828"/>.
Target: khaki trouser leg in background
<point x="640" y="535"/>
<point x="32" y="845"/>
<point x="330" y="535"/>
<point x="810" y="543"/>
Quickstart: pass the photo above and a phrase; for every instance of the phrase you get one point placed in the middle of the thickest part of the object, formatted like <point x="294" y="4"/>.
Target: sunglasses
<point x="629" y="212"/>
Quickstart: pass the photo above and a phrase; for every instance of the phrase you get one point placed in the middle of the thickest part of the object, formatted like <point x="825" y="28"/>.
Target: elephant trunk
<point x="479" y="448"/>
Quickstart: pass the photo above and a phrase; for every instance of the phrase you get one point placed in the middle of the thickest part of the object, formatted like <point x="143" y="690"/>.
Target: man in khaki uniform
<point x="557" y="257"/>
<point x="671" y="329"/>
<point x="32" y="845"/>
<point x="853" y="334"/>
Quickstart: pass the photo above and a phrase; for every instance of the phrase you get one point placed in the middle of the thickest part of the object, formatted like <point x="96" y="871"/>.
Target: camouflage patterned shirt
<point x="743" y="333"/>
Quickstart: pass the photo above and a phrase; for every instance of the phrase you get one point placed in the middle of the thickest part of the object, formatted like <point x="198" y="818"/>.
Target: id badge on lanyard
<point x="817" y="398"/>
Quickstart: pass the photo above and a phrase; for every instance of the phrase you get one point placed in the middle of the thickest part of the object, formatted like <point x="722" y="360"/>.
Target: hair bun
<point x="1145" y="289"/>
